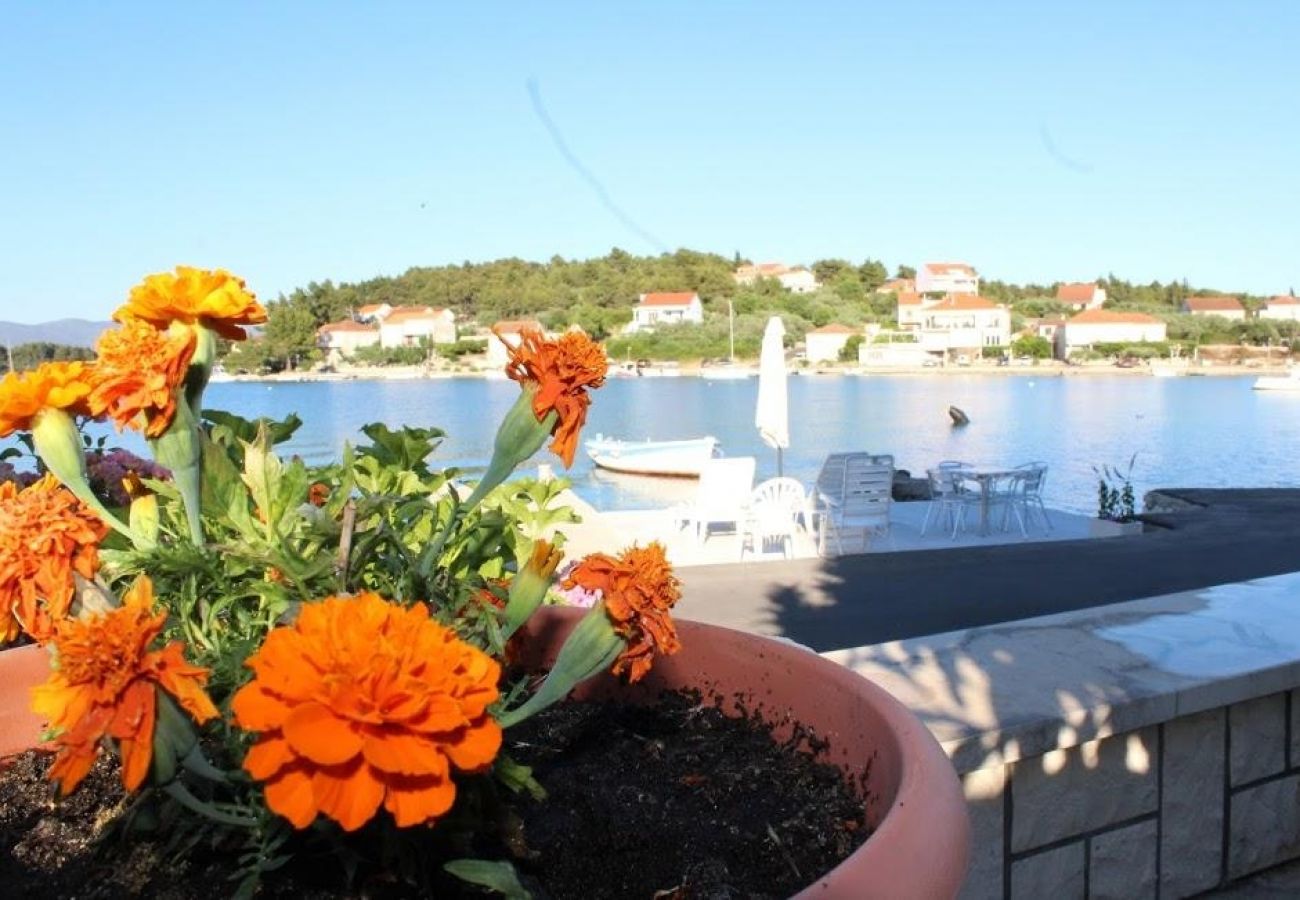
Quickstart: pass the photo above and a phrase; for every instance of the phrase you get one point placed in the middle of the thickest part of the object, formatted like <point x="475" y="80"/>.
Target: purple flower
<point x="107" y="470"/>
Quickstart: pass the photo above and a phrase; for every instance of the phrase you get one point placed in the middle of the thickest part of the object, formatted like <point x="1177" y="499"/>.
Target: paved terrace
<point x="850" y="601"/>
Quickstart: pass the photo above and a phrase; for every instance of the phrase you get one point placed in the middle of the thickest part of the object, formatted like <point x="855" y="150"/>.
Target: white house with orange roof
<point x="824" y="344"/>
<point x="340" y="339"/>
<point x="947" y="278"/>
<point x="505" y="336"/>
<point x="1104" y="326"/>
<point x="407" y="326"/>
<point x="1225" y="307"/>
<point x="964" y="322"/>
<point x="796" y="279"/>
<point x="1080" y="296"/>
<point x="1281" y="307"/>
<point x="666" y="308"/>
<point x="372" y="312"/>
<point x="957" y="322"/>
<point x="898" y="286"/>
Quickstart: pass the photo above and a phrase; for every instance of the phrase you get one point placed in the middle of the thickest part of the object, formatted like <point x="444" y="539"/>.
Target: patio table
<point x="985" y="477"/>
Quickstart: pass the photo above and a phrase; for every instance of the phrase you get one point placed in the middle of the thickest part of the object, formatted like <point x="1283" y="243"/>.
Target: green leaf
<point x="518" y="777"/>
<point x="407" y="448"/>
<point x="495" y="875"/>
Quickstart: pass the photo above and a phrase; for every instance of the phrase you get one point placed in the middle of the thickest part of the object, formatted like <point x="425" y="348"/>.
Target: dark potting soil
<point x="674" y="801"/>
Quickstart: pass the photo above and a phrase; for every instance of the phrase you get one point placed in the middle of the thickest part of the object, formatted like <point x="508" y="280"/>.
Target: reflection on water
<point x="1204" y="432"/>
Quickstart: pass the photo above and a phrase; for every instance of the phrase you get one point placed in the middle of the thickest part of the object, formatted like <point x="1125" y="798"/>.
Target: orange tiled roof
<point x="834" y="328"/>
<point x="898" y="285"/>
<point x="1110" y="317"/>
<point x="1075" y="293"/>
<point x="962" y="301"/>
<point x="514" y="326"/>
<point x="369" y="309"/>
<point x="909" y="298"/>
<point x="345" y="325"/>
<point x="1282" y="300"/>
<point x="1213" y="304"/>
<point x="941" y="267"/>
<point x="409" y="313"/>
<point x="679" y="298"/>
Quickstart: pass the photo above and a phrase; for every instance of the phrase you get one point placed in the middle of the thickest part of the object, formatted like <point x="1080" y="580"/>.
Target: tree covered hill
<point x="599" y="294"/>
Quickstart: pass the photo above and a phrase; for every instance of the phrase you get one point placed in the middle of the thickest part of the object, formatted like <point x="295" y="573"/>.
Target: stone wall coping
<point x="998" y="693"/>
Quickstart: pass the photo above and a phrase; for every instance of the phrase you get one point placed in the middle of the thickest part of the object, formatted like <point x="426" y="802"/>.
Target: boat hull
<point x="1277" y="383"/>
<point x="673" y="459"/>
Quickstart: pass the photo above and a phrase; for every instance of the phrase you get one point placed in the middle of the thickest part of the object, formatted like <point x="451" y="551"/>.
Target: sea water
<point x="1185" y="432"/>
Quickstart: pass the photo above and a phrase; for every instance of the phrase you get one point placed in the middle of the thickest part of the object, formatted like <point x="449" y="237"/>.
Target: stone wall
<point x="1167" y="810"/>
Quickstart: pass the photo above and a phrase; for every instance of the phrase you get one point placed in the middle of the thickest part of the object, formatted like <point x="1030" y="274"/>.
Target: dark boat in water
<point x="958" y="416"/>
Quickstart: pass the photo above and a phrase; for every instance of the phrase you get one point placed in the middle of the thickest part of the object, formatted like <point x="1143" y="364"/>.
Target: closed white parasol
<point x="772" y="413"/>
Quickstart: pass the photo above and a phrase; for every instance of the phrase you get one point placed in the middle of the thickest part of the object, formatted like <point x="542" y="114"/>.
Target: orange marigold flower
<point x="318" y="494"/>
<point x="51" y="385"/>
<point x="638" y="589"/>
<point x="46" y="535"/>
<point x="210" y="297"/>
<point x="105" y="687"/>
<point x="563" y="371"/>
<point x="361" y="702"/>
<point x="138" y="374"/>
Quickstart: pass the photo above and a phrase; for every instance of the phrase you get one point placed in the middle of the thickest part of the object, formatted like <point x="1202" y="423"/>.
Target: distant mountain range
<point x="70" y="332"/>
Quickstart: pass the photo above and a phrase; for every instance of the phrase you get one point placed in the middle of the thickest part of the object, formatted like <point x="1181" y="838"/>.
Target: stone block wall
<point x="1165" y="811"/>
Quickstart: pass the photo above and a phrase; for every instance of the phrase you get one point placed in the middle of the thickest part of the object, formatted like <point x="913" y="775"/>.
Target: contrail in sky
<point x="534" y="93"/>
<point x="1050" y="146"/>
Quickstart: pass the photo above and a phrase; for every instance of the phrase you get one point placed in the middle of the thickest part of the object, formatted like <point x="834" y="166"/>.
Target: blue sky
<point x="292" y="142"/>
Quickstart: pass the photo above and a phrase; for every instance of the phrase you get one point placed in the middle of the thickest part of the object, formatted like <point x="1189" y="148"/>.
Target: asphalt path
<point x="828" y="604"/>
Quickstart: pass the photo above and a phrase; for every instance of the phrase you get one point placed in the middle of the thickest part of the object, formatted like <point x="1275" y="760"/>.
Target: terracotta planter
<point x="922" y="833"/>
<point x="21" y="669"/>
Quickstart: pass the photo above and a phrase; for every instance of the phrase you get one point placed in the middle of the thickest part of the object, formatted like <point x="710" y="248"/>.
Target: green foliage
<point x="849" y="352"/>
<point x="1115" y="497"/>
<point x="375" y="355"/>
<point x="1032" y="346"/>
<point x="467" y="347"/>
<point x="28" y="356"/>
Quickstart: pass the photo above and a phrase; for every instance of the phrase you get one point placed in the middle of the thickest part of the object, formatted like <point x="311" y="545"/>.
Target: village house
<point x="947" y="278"/>
<point x="824" y="344"/>
<point x="1225" y="307"/>
<point x="910" y="305"/>
<point x="372" y="312"/>
<point x="1283" y="307"/>
<point x="1046" y="328"/>
<point x="1079" y="296"/>
<point x="407" y="326"/>
<point x="666" y="309"/>
<point x="898" y="286"/>
<point x="958" y="324"/>
<point x="506" y="336"/>
<point x="888" y="348"/>
<point x="1103" y="326"/>
<point x="338" y="340"/>
<point x="795" y="279"/>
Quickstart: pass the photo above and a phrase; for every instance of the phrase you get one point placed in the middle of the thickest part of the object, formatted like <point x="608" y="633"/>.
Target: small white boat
<point x="678" y="459"/>
<point x="726" y="372"/>
<point x="1167" y="370"/>
<point x="1288" y="382"/>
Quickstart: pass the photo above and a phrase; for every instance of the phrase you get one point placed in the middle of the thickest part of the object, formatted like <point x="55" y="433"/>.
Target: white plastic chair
<point x="776" y="509"/>
<point x="1026" y="496"/>
<point x="949" y="497"/>
<point x="862" y="503"/>
<point x="722" y="497"/>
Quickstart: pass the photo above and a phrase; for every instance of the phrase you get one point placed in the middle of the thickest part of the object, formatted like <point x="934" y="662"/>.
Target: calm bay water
<point x="1204" y="432"/>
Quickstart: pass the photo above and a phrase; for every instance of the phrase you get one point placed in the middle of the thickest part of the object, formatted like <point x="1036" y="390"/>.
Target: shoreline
<point x="1048" y="370"/>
